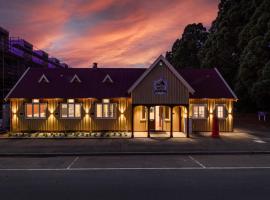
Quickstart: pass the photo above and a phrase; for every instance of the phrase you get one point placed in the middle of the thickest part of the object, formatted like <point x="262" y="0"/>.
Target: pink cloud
<point x="115" y="33"/>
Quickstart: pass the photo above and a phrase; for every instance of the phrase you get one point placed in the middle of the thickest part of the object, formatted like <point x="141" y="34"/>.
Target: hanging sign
<point x="160" y="87"/>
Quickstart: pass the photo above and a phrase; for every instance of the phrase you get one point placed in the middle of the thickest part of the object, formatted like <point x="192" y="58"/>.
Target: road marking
<point x="136" y="168"/>
<point x="72" y="163"/>
<point x="259" y="141"/>
<point x="197" y="162"/>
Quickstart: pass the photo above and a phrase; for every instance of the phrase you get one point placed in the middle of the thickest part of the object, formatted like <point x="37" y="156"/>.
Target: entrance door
<point x="152" y="119"/>
<point x="156" y="121"/>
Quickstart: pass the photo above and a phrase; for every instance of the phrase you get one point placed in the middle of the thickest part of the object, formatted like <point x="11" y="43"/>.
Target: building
<point x="16" y="55"/>
<point x="159" y="99"/>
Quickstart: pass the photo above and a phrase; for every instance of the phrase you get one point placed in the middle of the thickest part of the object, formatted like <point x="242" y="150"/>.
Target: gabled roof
<point x="161" y="58"/>
<point x="207" y="83"/>
<point x="91" y="85"/>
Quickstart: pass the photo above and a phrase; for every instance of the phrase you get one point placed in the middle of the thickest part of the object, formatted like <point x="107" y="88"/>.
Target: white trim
<point x="75" y="77"/>
<point x="17" y="83"/>
<point x="234" y="95"/>
<point x="161" y="58"/>
<point x="43" y="77"/>
<point x="107" y="77"/>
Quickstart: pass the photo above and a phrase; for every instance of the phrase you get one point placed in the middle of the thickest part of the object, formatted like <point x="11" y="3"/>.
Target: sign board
<point x="160" y="87"/>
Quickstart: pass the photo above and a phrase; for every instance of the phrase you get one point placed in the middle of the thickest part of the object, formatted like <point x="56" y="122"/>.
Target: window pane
<point x="201" y="111"/>
<point x="152" y="113"/>
<point x="111" y="110"/>
<point x="220" y="111"/>
<point x="195" y="112"/>
<point x="105" y="110"/>
<point x="167" y="112"/>
<point x="77" y="110"/>
<point x="29" y="110"/>
<point x="143" y="112"/>
<point x="71" y="110"/>
<point x="36" y="110"/>
<point x="98" y="110"/>
<point x="64" y="110"/>
<point x="43" y="108"/>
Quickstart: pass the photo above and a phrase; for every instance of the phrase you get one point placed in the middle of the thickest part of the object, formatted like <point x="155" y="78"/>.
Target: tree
<point x="185" y="50"/>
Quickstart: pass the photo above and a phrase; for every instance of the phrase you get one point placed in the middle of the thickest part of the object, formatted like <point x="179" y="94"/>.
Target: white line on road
<point x="197" y="162"/>
<point x="72" y="163"/>
<point x="136" y="168"/>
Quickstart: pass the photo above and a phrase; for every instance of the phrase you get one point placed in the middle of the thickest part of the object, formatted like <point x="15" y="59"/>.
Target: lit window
<point x="220" y="111"/>
<point x="144" y="113"/>
<point x="70" y="109"/>
<point x="199" y="111"/>
<point x="106" y="109"/>
<point x="35" y="110"/>
<point x="167" y="112"/>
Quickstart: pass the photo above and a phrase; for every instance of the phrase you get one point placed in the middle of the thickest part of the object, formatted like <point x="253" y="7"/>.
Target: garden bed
<point x="69" y="135"/>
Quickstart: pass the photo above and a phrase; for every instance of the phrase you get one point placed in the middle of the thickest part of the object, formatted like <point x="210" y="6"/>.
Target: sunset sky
<point x="114" y="33"/>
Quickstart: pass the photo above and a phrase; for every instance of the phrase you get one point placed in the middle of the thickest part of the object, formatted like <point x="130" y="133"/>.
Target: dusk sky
<point x="114" y="33"/>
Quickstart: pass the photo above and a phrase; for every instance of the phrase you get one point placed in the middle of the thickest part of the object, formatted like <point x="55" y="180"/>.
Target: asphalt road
<point x="136" y="177"/>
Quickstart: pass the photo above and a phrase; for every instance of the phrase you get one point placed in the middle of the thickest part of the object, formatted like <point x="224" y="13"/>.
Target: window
<point x="199" y="111"/>
<point x="220" y="111"/>
<point x="106" y="110"/>
<point x="144" y="113"/>
<point x="35" y="110"/>
<point x="167" y="113"/>
<point x="70" y="109"/>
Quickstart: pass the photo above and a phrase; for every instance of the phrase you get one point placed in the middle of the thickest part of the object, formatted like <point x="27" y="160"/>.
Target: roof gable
<point x="161" y="58"/>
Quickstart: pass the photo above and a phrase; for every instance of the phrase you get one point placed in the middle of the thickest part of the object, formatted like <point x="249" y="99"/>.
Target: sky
<point x="113" y="33"/>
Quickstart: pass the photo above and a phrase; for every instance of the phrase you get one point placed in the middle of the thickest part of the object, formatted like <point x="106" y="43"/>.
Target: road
<point x="136" y="177"/>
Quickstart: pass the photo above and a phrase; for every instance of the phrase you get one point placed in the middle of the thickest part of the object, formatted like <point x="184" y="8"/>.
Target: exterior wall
<point x="177" y="93"/>
<point x="87" y="122"/>
<point x="225" y="125"/>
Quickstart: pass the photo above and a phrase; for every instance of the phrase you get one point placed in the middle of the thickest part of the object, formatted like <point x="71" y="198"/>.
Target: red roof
<point x="206" y="82"/>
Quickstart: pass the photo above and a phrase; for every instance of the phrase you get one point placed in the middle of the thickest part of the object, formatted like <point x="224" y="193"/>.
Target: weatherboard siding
<point x="87" y="122"/>
<point x="201" y="125"/>
<point x="177" y="93"/>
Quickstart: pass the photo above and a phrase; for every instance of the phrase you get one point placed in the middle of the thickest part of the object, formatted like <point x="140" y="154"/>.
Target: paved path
<point x="199" y="143"/>
<point x="136" y="177"/>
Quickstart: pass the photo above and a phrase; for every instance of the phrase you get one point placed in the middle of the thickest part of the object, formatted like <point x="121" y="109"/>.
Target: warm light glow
<point x="35" y="100"/>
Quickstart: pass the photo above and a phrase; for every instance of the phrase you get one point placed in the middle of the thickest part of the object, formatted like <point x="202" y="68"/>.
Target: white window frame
<point x="223" y="111"/>
<point x="199" y="106"/>
<point x="69" y="103"/>
<point x="38" y="103"/>
<point x="106" y="102"/>
<point x="164" y="112"/>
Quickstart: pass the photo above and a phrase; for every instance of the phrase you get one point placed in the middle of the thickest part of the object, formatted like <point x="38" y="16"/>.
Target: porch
<point x="160" y="121"/>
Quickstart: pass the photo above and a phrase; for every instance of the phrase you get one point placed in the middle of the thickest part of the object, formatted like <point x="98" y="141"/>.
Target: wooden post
<point x="148" y="121"/>
<point x="187" y="121"/>
<point x="171" y="133"/>
<point x="132" y="121"/>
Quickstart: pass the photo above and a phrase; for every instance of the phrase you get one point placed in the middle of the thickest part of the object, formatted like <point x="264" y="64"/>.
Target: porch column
<point x="187" y="121"/>
<point x="148" y="120"/>
<point x="132" y="121"/>
<point x="171" y="129"/>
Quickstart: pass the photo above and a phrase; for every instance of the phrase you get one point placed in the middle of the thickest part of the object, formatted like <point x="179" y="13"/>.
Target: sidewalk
<point x="228" y="143"/>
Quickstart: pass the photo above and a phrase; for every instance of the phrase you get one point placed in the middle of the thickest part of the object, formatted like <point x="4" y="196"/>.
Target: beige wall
<point x="225" y="125"/>
<point x="177" y="92"/>
<point x="87" y="122"/>
<point x="123" y="121"/>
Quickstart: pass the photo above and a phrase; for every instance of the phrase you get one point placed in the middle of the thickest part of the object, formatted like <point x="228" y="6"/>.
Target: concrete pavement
<point x="236" y="142"/>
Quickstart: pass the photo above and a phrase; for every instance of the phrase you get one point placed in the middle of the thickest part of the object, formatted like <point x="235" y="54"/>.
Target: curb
<point x="134" y="153"/>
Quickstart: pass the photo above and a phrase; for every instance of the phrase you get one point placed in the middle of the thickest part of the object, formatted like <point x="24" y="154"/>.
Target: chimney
<point x="95" y="65"/>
